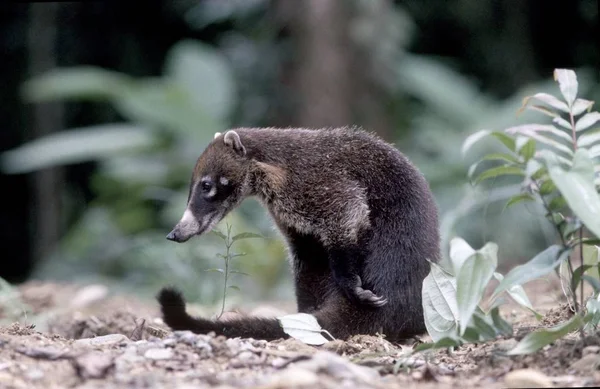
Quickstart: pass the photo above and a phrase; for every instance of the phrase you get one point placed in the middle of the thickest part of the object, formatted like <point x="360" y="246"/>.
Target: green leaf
<point x="594" y="282"/>
<point x="517" y="293"/>
<point x="460" y="251"/>
<point x="506" y="140"/>
<point x="484" y="329"/>
<point x="567" y="81"/>
<point x="547" y="187"/>
<point x="578" y="189"/>
<point x="445" y="342"/>
<point x="578" y="274"/>
<point x="538" y="339"/>
<point x="473" y="277"/>
<point x="589" y="138"/>
<point x="84" y="82"/>
<point x="544" y="139"/>
<point x="581" y="105"/>
<point x="527" y="151"/>
<point x="519" y="198"/>
<point x="564" y="124"/>
<point x="439" y="303"/>
<point x="504" y="327"/>
<point x="542" y="264"/>
<point x="238" y="272"/>
<point x="215" y="270"/>
<point x="304" y="327"/>
<point x="77" y="145"/>
<point x="500" y="171"/>
<point x="205" y="74"/>
<point x="587" y="121"/>
<point x="557" y="203"/>
<point x="548" y="99"/>
<point x="472" y="139"/>
<point x="246" y="235"/>
<point x="219" y="234"/>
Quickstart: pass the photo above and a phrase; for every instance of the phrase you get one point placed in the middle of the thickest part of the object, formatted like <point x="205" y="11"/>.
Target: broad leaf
<point x="473" y="277"/>
<point x="500" y="171"/>
<point x="532" y="131"/>
<point x="85" y="82"/>
<point x="564" y="124"/>
<point x="460" y="251"/>
<point x="77" y="145"/>
<point x="446" y="342"/>
<point x="519" y="198"/>
<point x="303" y="327"/>
<point x="567" y="81"/>
<point x="472" y="139"/>
<point x="527" y="151"/>
<point x="581" y="105"/>
<point x="439" y="303"/>
<point x="205" y="74"/>
<point x="542" y="264"/>
<point x="503" y="327"/>
<point x="587" y="121"/>
<point x="547" y="99"/>
<point x="517" y="293"/>
<point x="589" y="138"/>
<point x="246" y="235"/>
<point x="538" y="339"/>
<point x="578" y="189"/>
<point x="219" y="234"/>
<point x="215" y="270"/>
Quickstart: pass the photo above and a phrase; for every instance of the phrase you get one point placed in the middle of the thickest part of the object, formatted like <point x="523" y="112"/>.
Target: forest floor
<point x="88" y="338"/>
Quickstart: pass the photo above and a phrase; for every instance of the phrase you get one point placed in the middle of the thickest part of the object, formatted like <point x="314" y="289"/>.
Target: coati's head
<point x="220" y="182"/>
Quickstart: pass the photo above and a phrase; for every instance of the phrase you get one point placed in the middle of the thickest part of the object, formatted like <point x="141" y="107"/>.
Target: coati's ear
<point x="232" y="139"/>
<point x="217" y="134"/>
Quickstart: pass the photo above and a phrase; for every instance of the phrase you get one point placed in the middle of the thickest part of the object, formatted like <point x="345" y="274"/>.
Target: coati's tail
<point x="175" y="316"/>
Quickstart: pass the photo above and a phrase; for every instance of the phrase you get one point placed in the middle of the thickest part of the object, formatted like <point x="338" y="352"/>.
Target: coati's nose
<point x="173" y="236"/>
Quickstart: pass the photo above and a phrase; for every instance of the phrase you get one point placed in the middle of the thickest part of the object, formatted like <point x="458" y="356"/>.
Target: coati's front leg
<point x="345" y="265"/>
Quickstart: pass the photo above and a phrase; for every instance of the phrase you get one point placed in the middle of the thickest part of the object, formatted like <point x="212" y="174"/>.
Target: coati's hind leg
<point x="346" y="266"/>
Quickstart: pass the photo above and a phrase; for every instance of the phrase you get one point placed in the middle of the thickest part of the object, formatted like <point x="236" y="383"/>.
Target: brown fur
<point x="358" y="218"/>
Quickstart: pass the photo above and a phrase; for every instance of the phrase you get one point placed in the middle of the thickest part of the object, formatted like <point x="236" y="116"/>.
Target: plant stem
<point x="581" y="257"/>
<point x="563" y="241"/>
<point x="573" y="131"/>
<point x="228" y="245"/>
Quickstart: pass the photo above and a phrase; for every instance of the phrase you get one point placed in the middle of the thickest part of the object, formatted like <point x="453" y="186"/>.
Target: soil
<point x="84" y="337"/>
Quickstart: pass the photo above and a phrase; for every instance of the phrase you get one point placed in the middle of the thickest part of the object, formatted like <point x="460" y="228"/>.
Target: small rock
<point x="88" y="295"/>
<point x="591" y="350"/>
<point x="101" y="341"/>
<point x="294" y="377"/>
<point x="34" y="374"/>
<point x="159" y="353"/>
<point x="93" y="365"/>
<point x="527" y="378"/>
<point x="587" y="364"/>
<point x="169" y="342"/>
<point x="338" y="367"/>
<point x="507" y="344"/>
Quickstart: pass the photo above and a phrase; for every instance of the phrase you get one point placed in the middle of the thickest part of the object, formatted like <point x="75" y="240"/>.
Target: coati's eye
<point x="206" y="186"/>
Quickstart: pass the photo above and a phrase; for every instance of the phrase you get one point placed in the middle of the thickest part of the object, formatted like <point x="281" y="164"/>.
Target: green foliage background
<point x="145" y="158"/>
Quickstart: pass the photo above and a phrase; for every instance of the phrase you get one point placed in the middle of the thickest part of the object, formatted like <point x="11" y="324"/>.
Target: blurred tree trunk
<point x="330" y="74"/>
<point x="45" y="119"/>
<point x="321" y="70"/>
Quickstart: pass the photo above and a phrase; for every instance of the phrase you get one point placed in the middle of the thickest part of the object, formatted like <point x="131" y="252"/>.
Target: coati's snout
<point x="217" y="186"/>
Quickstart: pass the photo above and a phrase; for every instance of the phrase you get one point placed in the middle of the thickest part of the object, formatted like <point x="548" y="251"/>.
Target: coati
<point x="359" y="220"/>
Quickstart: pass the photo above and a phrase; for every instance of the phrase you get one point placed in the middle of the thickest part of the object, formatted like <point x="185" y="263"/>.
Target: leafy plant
<point x="227" y="257"/>
<point x="453" y="294"/>
<point x="557" y="164"/>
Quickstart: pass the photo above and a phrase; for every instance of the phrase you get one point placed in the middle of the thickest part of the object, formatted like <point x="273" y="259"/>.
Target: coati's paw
<point x="366" y="296"/>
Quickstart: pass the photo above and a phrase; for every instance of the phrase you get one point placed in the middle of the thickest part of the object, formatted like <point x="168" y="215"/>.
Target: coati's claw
<point x="368" y="297"/>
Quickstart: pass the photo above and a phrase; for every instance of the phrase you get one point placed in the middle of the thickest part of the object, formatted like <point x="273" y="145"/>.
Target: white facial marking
<point x="212" y="191"/>
<point x="224" y="181"/>
<point x="188" y="217"/>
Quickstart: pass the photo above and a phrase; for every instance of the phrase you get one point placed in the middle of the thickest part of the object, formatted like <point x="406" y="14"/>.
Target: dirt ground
<point x="86" y="337"/>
